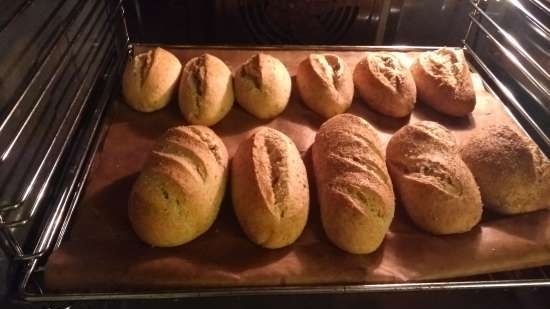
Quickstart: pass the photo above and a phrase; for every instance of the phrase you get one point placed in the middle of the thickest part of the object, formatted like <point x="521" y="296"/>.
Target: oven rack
<point x="45" y="213"/>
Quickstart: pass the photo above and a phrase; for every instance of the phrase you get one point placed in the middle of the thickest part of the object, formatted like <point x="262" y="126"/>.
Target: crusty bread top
<point x="329" y="69"/>
<point x="427" y="152"/>
<point x="506" y="150"/>
<point x="342" y="136"/>
<point x="193" y="144"/>
<point x="388" y="69"/>
<point x="445" y="65"/>
<point x="263" y="70"/>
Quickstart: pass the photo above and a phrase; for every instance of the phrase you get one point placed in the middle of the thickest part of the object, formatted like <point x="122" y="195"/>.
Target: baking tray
<point x="32" y="284"/>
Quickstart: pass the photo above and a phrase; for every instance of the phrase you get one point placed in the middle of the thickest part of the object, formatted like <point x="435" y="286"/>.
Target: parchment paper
<point x="103" y="254"/>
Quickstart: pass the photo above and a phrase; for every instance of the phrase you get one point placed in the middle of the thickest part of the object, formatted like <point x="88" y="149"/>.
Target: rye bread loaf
<point x="149" y="80"/>
<point x="443" y="81"/>
<point x="178" y="193"/>
<point x="433" y="183"/>
<point x="270" y="190"/>
<point x="325" y="84"/>
<point x="355" y="191"/>
<point x="512" y="173"/>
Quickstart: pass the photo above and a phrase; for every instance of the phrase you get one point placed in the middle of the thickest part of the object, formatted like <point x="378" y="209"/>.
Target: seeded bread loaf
<point x="270" y="190"/>
<point x="262" y="86"/>
<point x="385" y="84"/>
<point x="325" y="84"/>
<point x="434" y="185"/>
<point x="443" y="81"/>
<point x="178" y="193"/>
<point x="512" y="173"/>
<point x="206" y="90"/>
<point x="149" y="80"/>
<point x="355" y="191"/>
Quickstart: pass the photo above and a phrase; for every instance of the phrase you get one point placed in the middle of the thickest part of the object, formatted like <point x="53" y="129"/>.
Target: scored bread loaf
<point x="206" y="90"/>
<point x="355" y="191"/>
<point x="325" y="84"/>
<point x="178" y="193"/>
<point x="434" y="185"/>
<point x="270" y="190"/>
<point x="385" y="84"/>
<point x="262" y="86"/>
<point x="512" y="173"/>
<point x="443" y="81"/>
<point x="149" y="79"/>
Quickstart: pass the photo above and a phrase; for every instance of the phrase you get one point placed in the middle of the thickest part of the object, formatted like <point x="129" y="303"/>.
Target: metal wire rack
<point x="84" y="43"/>
<point x="51" y="126"/>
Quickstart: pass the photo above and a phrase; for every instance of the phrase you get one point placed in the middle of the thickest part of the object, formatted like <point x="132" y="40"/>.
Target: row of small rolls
<point x="262" y="85"/>
<point x="441" y="185"/>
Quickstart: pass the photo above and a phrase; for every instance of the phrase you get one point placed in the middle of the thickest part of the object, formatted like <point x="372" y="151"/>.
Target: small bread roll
<point x="385" y="84"/>
<point x="262" y="86"/>
<point x="325" y="84"/>
<point x="149" y="80"/>
<point x="178" y="193"/>
<point x="443" y="81"/>
<point x="355" y="191"/>
<point x="269" y="189"/>
<point x="512" y="173"/>
<point x="206" y="90"/>
<point x="435" y="186"/>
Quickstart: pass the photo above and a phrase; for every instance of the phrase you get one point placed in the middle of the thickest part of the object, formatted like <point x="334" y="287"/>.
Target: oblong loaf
<point x="262" y="86"/>
<point x="206" y="90"/>
<point x="512" y="173"/>
<point x="270" y="190"/>
<point x="149" y="79"/>
<point x="178" y="193"/>
<point x="385" y="84"/>
<point x="325" y="84"/>
<point x="435" y="186"/>
<point x="355" y="191"/>
<point x="443" y="81"/>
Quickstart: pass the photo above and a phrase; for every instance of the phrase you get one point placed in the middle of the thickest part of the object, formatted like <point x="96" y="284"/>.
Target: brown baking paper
<point x="103" y="254"/>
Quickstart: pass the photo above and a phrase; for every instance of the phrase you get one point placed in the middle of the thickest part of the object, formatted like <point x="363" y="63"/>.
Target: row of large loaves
<point x="262" y="84"/>
<point x="440" y="184"/>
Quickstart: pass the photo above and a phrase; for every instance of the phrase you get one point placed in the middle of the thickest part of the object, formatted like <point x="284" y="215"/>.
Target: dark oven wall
<point x="345" y="22"/>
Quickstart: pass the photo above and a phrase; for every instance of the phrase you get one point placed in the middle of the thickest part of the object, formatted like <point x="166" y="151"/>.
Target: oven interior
<point x="61" y="61"/>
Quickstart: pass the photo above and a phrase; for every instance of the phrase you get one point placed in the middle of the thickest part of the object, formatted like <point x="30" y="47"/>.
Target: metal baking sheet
<point x="102" y="258"/>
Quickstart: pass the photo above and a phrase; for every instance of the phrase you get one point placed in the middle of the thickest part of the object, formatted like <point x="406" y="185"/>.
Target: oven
<point x="60" y="72"/>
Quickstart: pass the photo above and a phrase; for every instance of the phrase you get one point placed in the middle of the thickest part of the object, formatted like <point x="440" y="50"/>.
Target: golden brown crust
<point x="325" y="84"/>
<point x="355" y="191"/>
<point x="178" y="193"/>
<point x="149" y="80"/>
<point x="435" y="186"/>
<point x="262" y="86"/>
<point x="270" y="191"/>
<point x="206" y="90"/>
<point x="443" y="81"/>
<point x="385" y="84"/>
<point x="512" y="173"/>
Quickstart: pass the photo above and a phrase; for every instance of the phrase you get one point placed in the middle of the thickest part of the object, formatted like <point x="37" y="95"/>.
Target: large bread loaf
<point x="435" y="186"/>
<point x="354" y="188"/>
<point x="178" y="193"/>
<point x="269" y="189"/>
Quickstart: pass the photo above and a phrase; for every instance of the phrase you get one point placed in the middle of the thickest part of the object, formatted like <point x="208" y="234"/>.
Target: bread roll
<point x="262" y="86"/>
<point x="385" y="84"/>
<point x="325" y="84"/>
<point x="206" y="90"/>
<point x="178" y="193"/>
<point x="354" y="188"/>
<point x="512" y="173"/>
<point x="269" y="189"/>
<point x="149" y="80"/>
<point x="443" y="81"/>
<point x="435" y="186"/>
